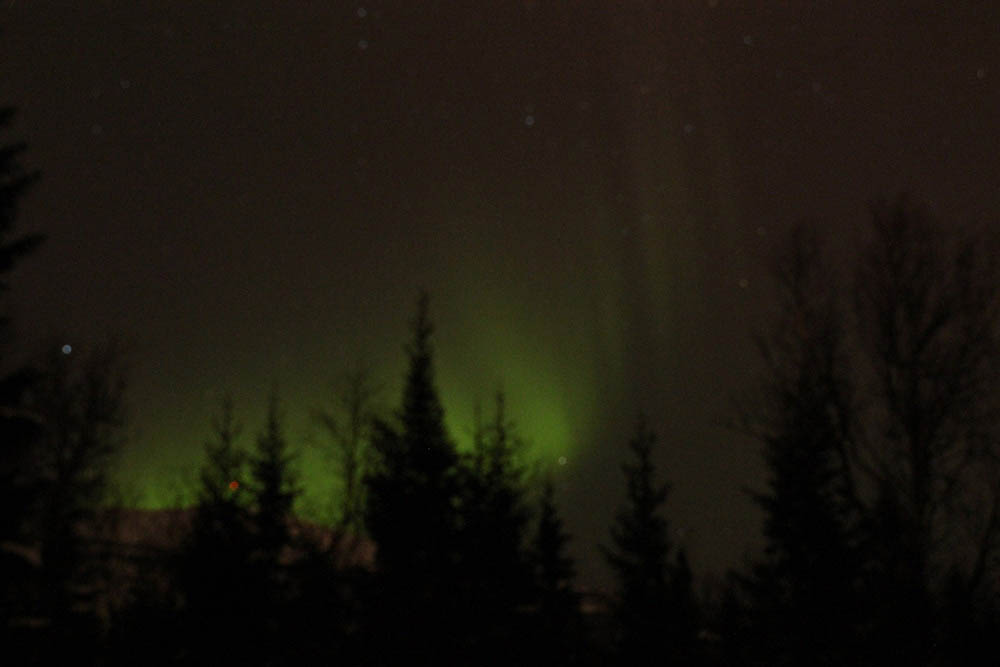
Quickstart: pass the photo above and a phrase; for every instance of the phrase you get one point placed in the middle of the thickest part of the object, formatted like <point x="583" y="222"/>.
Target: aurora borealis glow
<point x="254" y="192"/>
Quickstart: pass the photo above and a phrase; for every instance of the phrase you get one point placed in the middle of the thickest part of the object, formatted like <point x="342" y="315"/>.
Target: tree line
<point x="876" y="414"/>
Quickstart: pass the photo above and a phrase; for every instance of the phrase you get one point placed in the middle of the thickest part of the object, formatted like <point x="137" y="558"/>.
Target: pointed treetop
<point x="640" y="536"/>
<point x="14" y="182"/>
<point x="422" y="415"/>
<point x="422" y="327"/>
<point x="225" y="461"/>
<point x="641" y="472"/>
<point x="555" y="568"/>
<point x="274" y="479"/>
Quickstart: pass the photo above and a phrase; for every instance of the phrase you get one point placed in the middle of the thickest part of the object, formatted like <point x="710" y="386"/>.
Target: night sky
<point x="253" y="192"/>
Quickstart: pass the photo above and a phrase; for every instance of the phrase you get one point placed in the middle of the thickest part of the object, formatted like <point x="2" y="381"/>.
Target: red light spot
<point x="233" y="485"/>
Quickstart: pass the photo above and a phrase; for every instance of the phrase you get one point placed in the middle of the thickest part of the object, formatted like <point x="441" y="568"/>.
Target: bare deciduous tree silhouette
<point x="879" y="422"/>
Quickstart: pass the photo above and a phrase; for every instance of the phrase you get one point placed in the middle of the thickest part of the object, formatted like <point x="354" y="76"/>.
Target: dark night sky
<point x="254" y="191"/>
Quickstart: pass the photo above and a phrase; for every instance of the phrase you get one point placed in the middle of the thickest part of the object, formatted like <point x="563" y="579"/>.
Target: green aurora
<point x="552" y="402"/>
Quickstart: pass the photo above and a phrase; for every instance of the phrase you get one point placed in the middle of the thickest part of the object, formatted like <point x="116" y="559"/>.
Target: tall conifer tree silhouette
<point x="273" y="488"/>
<point x="19" y="428"/>
<point x="554" y="569"/>
<point x="15" y="181"/>
<point x="801" y="593"/>
<point x="80" y="404"/>
<point x="558" y="630"/>
<point x="640" y="557"/>
<point x="494" y="565"/>
<point x="214" y="565"/>
<point x="273" y="491"/>
<point x="412" y="512"/>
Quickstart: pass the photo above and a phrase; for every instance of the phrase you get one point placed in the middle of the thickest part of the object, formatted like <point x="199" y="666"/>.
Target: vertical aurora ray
<point x="570" y="305"/>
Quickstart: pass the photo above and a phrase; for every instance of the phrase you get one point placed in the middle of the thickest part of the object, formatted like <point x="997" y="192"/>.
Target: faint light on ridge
<point x="66" y="349"/>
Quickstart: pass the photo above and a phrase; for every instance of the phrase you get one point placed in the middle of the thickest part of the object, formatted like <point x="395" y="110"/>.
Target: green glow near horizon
<point x="553" y="346"/>
<point x="552" y="343"/>
<point x="548" y="404"/>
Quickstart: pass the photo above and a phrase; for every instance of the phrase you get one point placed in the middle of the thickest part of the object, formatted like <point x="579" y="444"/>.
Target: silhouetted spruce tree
<point x="19" y="427"/>
<point x="412" y="515"/>
<point x="273" y="490"/>
<point x="304" y="596"/>
<point x="558" y="632"/>
<point x="687" y="616"/>
<point x="218" y="585"/>
<point x="80" y="405"/>
<point x="494" y="569"/>
<point x="640" y="555"/>
<point x="554" y="568"/>
<point x="803" y="595"/>
<point x="14" y="183"/>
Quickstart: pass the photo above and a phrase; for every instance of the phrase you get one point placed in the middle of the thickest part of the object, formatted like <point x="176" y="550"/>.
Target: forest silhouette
<point x="877" y="417"/>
